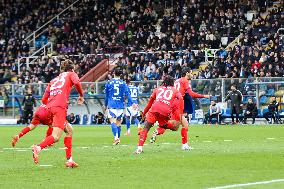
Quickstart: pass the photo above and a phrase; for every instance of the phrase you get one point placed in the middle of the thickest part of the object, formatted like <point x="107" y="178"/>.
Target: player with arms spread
<point x="43" y="116"/>
<point x="182" y="85"/>
<point x="132" y="113"/>
<point x="160" y="108"/>
<point x="56" y="98"/>
<point x="116" y="90"/>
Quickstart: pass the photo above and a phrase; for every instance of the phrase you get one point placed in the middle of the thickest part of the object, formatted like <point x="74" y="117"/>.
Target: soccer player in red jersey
<point x="43" y="116"/>
<point x="182" y="85"/>
<point x="56" y="99"/>
<point x="159" y="108"/>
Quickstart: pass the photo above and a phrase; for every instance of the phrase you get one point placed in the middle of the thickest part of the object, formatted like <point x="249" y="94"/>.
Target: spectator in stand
<point x="236" y="98"/>
<point x="99" y="118"/>
<point x="28" y="104"/>
<point x="213" y="112"/>
<point x="251" y="111"/>
<point x="72" y="119"/>
<point x="272" y="111"/>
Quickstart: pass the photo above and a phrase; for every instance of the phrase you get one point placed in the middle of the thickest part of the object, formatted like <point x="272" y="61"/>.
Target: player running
<point x="162" y="104"/>
<point x="182" y="85"/>
<point x="56" y="99"/>
<point x="116" y="90"/>
<point x="130" y="112"/>
<point x="42" y="116"/>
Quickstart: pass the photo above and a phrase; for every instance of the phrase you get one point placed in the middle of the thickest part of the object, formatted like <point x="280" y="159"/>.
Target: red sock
<point x="24" y="131"/>
<point x="49" y="131"/>
<point x="47" y="142"/>
<point x="68" y="146"/>
<point x="142" y="137"/>
<point x="160" y="130"/>
<point x="170" y="125"/>
<point x="183" y="133"/>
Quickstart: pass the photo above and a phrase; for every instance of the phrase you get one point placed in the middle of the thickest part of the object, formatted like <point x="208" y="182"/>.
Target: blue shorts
<point x="188" y="104"/>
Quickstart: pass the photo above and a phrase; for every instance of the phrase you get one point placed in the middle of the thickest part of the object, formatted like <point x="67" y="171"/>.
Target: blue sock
<point x="118" y="131"/>
<point x="114" y="129"/>
<point x="127" y="124"/>
<point x="136" y="121"/>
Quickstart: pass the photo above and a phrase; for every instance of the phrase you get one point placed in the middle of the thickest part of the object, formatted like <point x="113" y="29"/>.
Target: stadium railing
<point x="260" y="89"/>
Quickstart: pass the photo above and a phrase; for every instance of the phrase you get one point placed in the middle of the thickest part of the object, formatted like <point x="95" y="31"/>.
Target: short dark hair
<point x="168" y="81"/>
<point x="185" y="70"/>
<point x="117" y="72"/>
<point x="67" y="65"/>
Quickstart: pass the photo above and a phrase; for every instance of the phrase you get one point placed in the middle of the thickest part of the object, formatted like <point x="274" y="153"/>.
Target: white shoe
<point x="153" y="138"/>
<point x="116" y="142"/>
<point x="138" y="150"/>
<point x="185" y="147"/>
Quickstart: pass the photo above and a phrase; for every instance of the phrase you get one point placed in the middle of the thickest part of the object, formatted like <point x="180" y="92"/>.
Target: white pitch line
<point x="248" y="184"/>
<point x="270" y="138"/>
<point x="207" y="141"/>
<point x="62" y="148"/>
<point x="16" y="148"/>
<point x="21" y="150"/>
<point x="84" y="147"/>
<point x="227" y="140"/>
<point x="45" y="165"/>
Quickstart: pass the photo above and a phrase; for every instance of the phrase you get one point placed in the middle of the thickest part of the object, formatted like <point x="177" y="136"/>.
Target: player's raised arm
<point x="46" y="95"/>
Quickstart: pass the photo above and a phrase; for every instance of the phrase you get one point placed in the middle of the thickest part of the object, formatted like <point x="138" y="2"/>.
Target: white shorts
<point x="131" y="112"/>
<point x="115" y="113"/>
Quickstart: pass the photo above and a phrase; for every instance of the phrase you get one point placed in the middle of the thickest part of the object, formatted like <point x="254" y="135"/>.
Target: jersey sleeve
<point x="76" y="81"/>
<point x="107" y="95"/>
<point x="149" y="105"/>
<point x="193" y="94"/>
<point x="46" y="95"/>
<point x="181" y="101"/>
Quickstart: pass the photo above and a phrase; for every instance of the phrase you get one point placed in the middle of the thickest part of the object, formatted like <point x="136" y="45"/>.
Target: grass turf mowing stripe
<point x="248" y="184"/>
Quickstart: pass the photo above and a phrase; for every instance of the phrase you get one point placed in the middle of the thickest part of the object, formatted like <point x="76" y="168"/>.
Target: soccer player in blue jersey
<point x="130" y="112"/>
<point x="116" y="90"/>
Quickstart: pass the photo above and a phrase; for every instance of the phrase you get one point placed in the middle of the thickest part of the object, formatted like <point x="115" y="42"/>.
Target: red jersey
<point x="58" y="90"/>
<point x="182" y="85"/>
<point x="42" y="116"/>
<point x="161" y="100"/>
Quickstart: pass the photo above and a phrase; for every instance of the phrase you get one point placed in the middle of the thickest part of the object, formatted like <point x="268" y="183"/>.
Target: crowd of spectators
<point x="172" y="38"/>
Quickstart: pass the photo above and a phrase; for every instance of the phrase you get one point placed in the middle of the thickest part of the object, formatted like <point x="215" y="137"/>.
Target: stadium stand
<point x="152" y="38"/>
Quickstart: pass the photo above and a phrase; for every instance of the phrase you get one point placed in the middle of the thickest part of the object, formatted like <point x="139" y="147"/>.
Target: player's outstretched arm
<point x="196" y="95"/>
<point x="46" y="95"/>
<point x="76" y="82"/>
<point x="149" y="105"/>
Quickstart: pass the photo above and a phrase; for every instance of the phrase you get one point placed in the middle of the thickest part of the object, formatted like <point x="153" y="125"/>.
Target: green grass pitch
<point x="223" y="155"/>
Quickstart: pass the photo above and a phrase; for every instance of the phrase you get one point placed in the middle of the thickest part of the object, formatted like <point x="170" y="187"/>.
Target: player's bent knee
<point x="148" y="125"/>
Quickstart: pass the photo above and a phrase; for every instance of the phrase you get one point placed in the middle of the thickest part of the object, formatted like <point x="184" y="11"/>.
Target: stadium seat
<point x="264" y="111"/>
<point x="245" y="100"/>
<point x="85" y="119"/>
<point x="270" y="92"/>
<point x="92" y="118"/>
<point x="78" y="118"/>
<point x="263" y="99"/>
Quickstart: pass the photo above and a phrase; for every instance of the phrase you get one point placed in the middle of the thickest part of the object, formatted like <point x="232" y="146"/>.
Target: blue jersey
<point x="134" y="92"/>
<point x="116" y="91"/>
